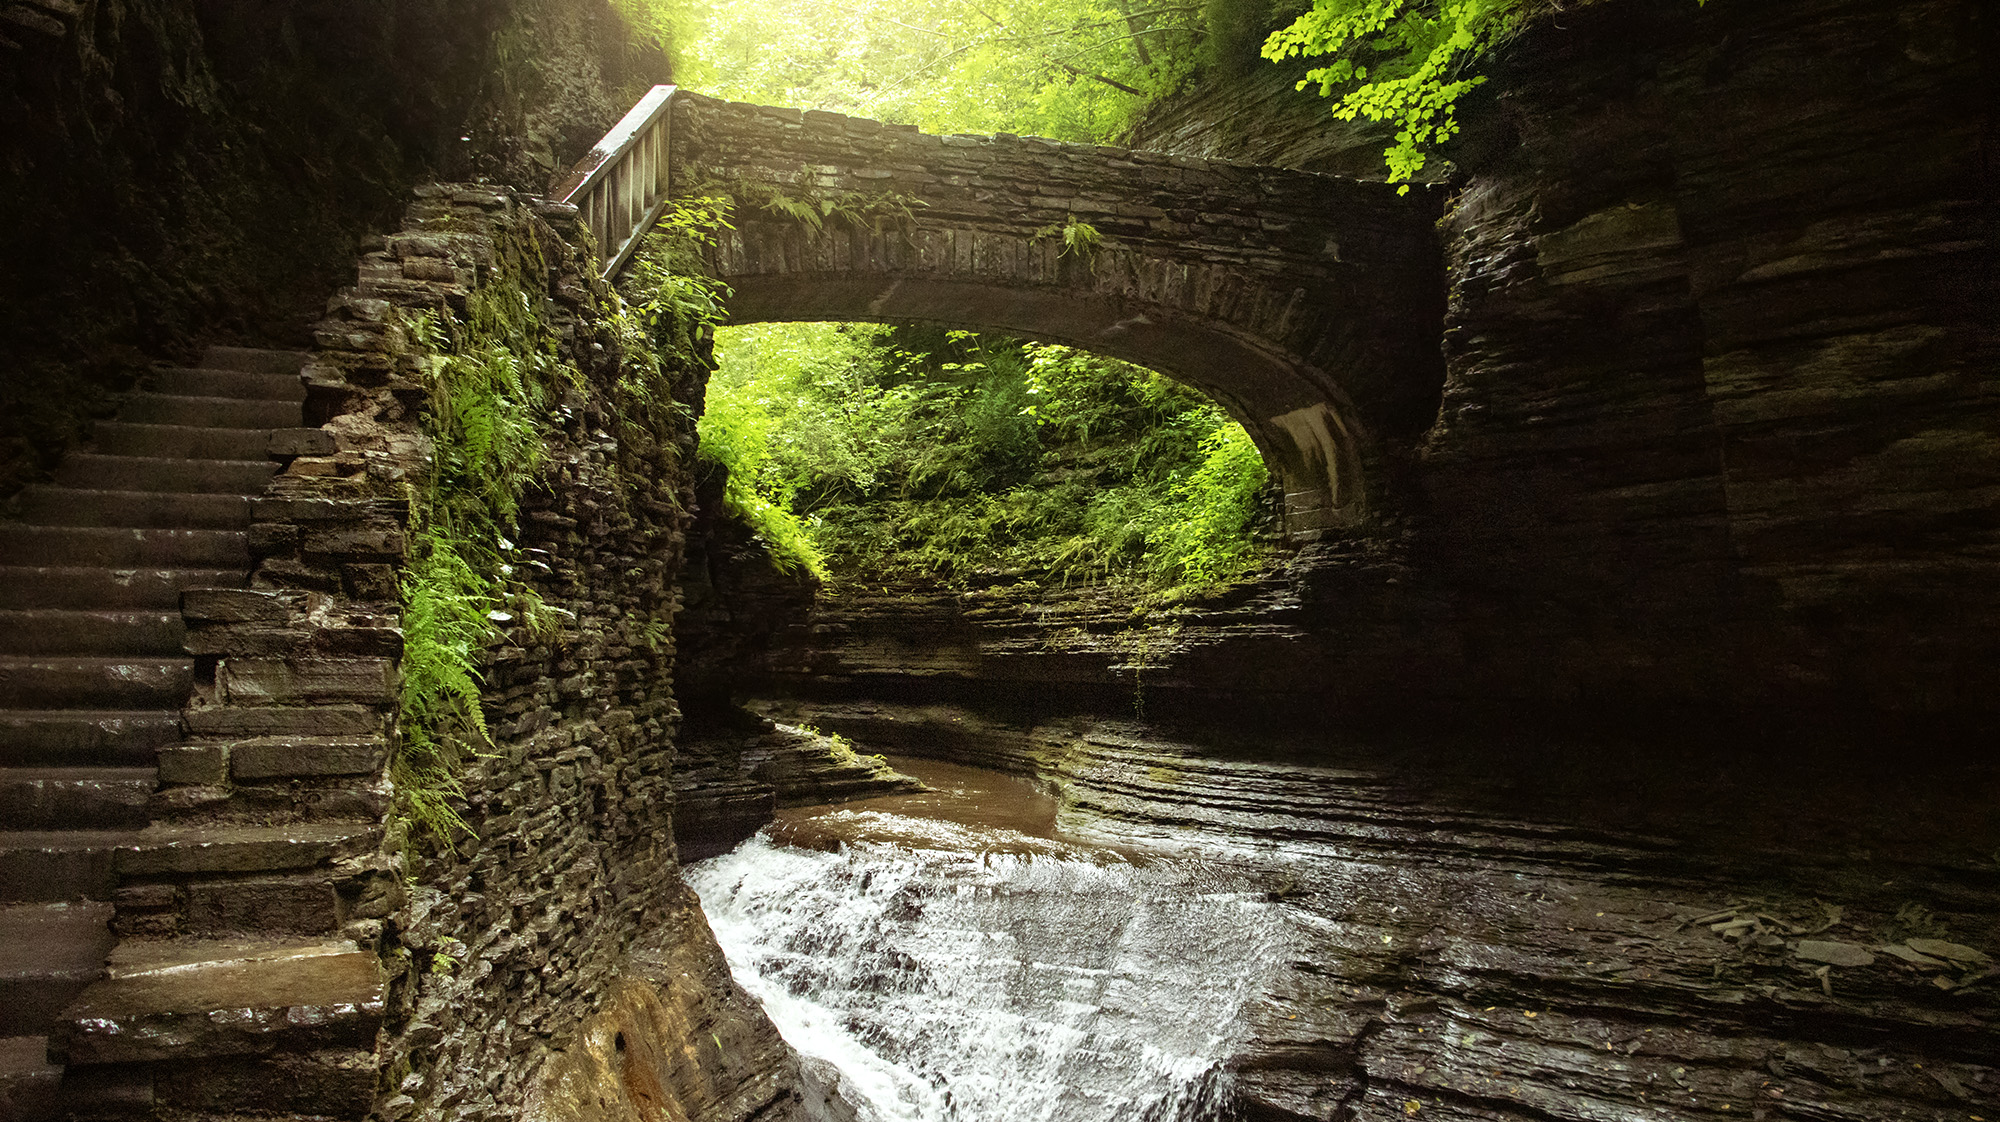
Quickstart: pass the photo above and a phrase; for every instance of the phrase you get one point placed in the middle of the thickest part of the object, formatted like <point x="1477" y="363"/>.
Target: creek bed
<point x="953" y="955"/>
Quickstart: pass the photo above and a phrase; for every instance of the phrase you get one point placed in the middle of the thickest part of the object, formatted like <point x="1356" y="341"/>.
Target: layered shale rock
<point x="1521" y="929"/>
<point x="1717" y="429"/>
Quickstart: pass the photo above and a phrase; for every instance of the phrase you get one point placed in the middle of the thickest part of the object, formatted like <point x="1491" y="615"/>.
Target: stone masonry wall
<point x="518" y="955"/>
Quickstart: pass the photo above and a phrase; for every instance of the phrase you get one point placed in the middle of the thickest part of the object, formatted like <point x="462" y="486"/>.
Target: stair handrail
<point x="621" y="185"/>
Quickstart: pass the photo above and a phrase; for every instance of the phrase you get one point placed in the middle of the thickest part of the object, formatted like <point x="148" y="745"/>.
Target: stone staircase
<point x="93" y="680"/>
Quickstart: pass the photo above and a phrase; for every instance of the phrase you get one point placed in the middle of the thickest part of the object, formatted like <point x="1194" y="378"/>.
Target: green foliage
<point x="667" y="281"/>
<point x="490" y="382"/>
<point x="920" y="451"/>
<point x="876" y="212"/>
<point x="1217" y="507"/>
<point x="1069" y="69"/>
<point x="1402" y="61"/>
<point x="1080" y="238"/>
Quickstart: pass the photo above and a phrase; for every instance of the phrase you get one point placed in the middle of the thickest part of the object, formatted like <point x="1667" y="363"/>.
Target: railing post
<point x="621" y="186"/>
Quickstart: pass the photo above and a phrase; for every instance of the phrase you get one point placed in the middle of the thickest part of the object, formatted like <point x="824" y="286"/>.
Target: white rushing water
<point x="970" y="973"/>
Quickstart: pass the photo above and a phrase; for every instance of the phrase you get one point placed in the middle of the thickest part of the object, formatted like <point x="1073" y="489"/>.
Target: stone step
<point x="187" y="999"/>
<point x="76" y="631"/>
<point x="210" y="412"/>
<point x="69" y="798"/>
<point x="43" y="505"/>
<point x="195" y="381"/>
<point x="50" y="866"/>
<point x="256" y="360"/>
<point x="56" y="865"/>
<point x="150" y="473"/>
<point x="30" y="1086"/>
<point x="65" y="738"/>
<point x="49" y="953"/>
<point x="188" y="850"/>
<point x="49" y="682"/>
<point x="84" y="586"/>
<point x="122" y="438"/>
<point x="122" y="547"/>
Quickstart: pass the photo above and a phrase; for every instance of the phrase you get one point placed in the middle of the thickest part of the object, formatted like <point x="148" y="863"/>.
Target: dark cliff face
<point x="176" y="172"/>
<point x="1719" y="419"/>
<point x="1718" y="426"/>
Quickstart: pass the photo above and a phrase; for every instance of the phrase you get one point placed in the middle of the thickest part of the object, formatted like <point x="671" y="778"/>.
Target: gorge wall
<point x="180" y="173"/>
<point x="1718" y="417"/>
<point x="1708" y="503"/>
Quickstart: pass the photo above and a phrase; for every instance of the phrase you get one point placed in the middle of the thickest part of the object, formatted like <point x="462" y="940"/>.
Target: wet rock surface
<point x="727" y="784"/>
<point x="185" y="999"/>
<point x="675" y="1037"/>
<point x="1533" y="937"/>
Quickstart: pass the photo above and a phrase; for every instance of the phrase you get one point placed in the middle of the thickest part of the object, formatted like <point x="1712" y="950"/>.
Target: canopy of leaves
<point x="1069" y="69"/>
<point x="1402" y="61"/>
<point x="919" y="452"/>
<point x="1397" y="61"/>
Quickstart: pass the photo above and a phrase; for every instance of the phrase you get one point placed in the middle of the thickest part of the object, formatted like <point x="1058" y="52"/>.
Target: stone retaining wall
<point x="560" y="919"/>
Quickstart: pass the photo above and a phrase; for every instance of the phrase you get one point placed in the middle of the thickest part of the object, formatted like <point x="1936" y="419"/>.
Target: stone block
<point x="370" y="581"/>
<point x="264" y="905"/>
<point x="375" y="541"/>
<point x="238" y="849"/>
<point x="186" y="1000"/>
<point x="238" y="605"/>
<point x="287" y="573"/>
<point x="246" y="641"/>
<point x="429" y="269"/>
<point x="289" y="757"/>
<point x="419" y="245"/>
<point x="337" y="1083"/>
<point x="300" y="442"/>
<point x="146" y="896"/>
<point x="383" y="641"/>
<point x="268" y="538"/>
<point x="205" y="764"/>
<point x="256" y="681"/>
<point x="305" y="720"/>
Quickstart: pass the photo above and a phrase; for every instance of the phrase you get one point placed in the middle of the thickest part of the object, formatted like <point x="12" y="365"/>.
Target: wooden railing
<point x="621" y="186"/>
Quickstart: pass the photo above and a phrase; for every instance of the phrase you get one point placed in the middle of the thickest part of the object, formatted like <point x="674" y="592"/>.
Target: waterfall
<point x="962" y="973"/>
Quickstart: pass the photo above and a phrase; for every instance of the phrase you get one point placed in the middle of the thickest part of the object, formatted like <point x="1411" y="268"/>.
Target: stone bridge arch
<point x="1307" y="305"/>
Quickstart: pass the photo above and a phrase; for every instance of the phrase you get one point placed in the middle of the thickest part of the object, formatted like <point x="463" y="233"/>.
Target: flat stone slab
<point x="240" y="849"/>
<point x="285" y="757"/>
<point x="190" y="998"/>
<point x="52" y="865"/>
<point x="29" y="1083"/>
<point x="67" y="938"/>
<point x="48" y="954"/>
<point x="284" y="720"/>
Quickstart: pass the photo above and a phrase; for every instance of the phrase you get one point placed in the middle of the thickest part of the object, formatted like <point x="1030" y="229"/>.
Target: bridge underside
<point x="1310" y="446"/>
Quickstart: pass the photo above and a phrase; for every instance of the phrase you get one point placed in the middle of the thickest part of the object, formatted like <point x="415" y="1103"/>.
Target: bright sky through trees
<point x="1068" y="69"/>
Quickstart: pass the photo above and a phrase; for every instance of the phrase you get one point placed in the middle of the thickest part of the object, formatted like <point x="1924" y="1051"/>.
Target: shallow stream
<point x="953" y="956"/>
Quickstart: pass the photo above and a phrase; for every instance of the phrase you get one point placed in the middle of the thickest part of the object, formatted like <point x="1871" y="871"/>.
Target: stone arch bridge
<point x="1307" y="305"/>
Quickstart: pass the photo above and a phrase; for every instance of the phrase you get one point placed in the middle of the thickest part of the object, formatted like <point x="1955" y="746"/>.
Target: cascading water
<point x="972" y="971"/>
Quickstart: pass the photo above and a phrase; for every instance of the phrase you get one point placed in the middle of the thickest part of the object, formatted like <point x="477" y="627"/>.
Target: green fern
<point x="1079" y="238"/>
